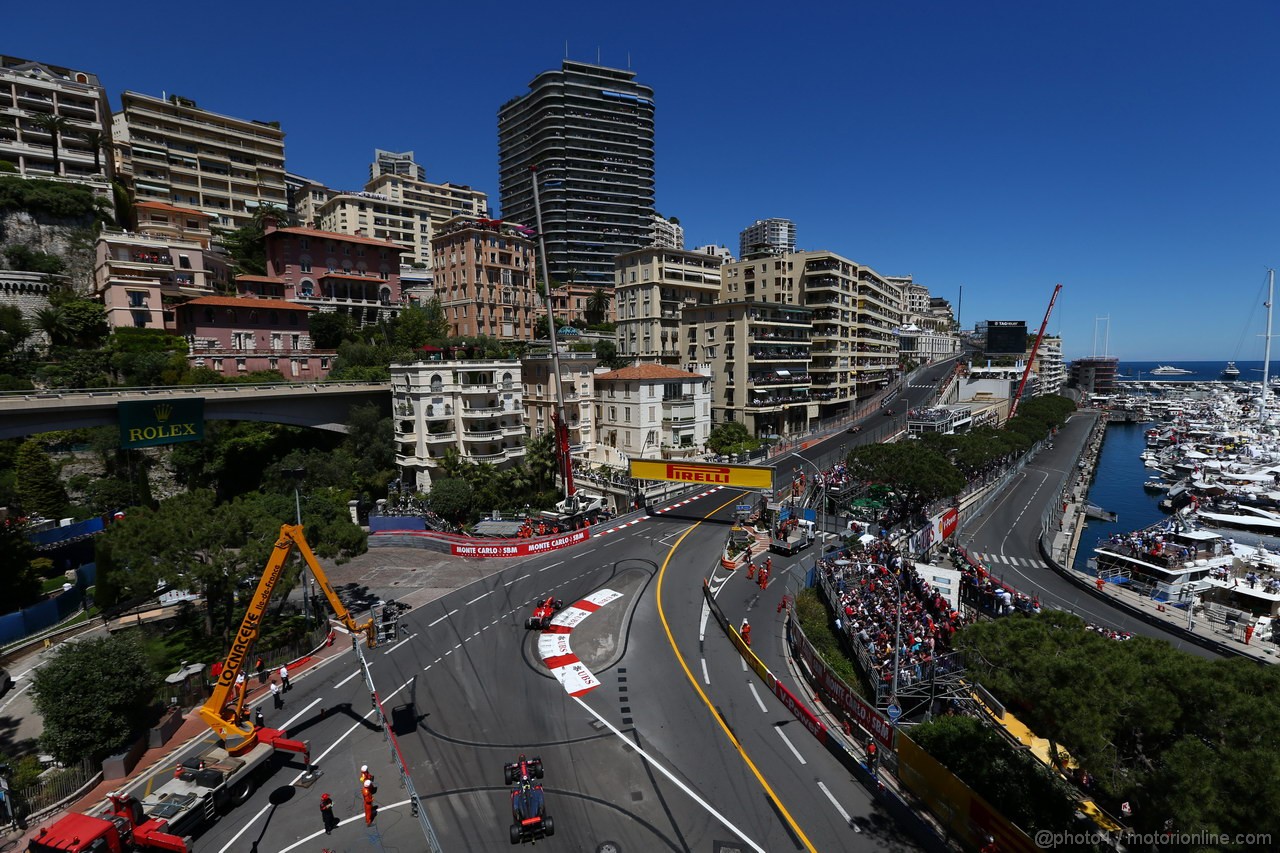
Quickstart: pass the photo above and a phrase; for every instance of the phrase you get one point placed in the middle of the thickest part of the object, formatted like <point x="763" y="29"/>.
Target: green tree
<point x="731" y="437"/>
<point x="411" y="328"/>
<point x="597" y="306"/>
<point x="55" y="324"/>
<point x="329" y="329"/>
<point x="22" y="584"/>
<point x="40" y="489"/>
<point x="370" y="444"/>
<point x="540" y="459"/>
<point x="607" y="352"/>
<point x="437" y="322"/>
<point x="94" y="696"/>
<point x="97" y="142"/>
<point x="917" y="475"/>
<point x="451" y="500"/>
<point x="22" y="257"/>
<point x="55" y="126"/>
<point x="14" y="329"/>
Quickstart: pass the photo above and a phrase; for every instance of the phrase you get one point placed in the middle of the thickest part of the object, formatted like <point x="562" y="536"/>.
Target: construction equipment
<point x="121" y="829"/>
<point x="224" y="711"/>
<point x="1013" y="409"/>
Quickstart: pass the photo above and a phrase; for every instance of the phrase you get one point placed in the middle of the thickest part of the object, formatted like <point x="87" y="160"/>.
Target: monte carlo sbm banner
<point x="745" y="476"/>
<point x="151" y="422"/>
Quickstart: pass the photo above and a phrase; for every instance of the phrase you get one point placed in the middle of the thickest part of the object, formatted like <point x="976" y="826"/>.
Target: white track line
<point x="478" y="597"/>
<point x="245" y="828"/>
<point x="295" y="717"/>
<point x="665" y="772"/>
<point x="832" y="797"/>
<point x="517" y="580"/>
<point x="441" y="619"/>
<point x="401" y="643"/>
<point x="790" y="745"/>
<point x="759" y="701"/>
<point x="345" y="680"/>
<point x="359" y="816"/>
<point x="706" y="679"/>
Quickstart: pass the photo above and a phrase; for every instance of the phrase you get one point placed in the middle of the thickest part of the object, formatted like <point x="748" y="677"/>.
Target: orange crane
<point x="1013" y="410"/>
<point x="224" y="711"/>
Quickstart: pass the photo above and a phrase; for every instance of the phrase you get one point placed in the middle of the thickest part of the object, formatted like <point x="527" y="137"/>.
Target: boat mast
<point x="1266" y="352"/>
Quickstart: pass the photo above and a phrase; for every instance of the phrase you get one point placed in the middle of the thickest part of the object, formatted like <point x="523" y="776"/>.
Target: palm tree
<point x="99" y="142"/>
<point x="597" y="306"/>
<point x="55" y="324"/>
<point x="53" y="125"/>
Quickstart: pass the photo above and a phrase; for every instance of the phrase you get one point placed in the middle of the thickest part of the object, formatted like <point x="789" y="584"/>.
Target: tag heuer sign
<point x="151" y="422"/>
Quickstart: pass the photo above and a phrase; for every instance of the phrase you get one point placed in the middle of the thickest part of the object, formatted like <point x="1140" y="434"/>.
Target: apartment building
<point x="767" y="236"/>
<point x="351" y="274"/>
<point x="233" y="335"/>
<point x="759" y="354"/>
<point x="397" y="204"/>
<point x="1049" y="365"/>
<point x="577" y="375"/>
<point x="473" y="407"/>
<point x="589" y="132"/>
<point x="856" y="317"/>
<point x="651" y="287"/>
<point x="33" y="94"/>
<point x="926" y="334"/>
<point x="667" y="233"/>
<point x="484" y="278"/>
<point x="142" y="275"/>
<point x="651" y="411"/>
<point x="171" y="151"/>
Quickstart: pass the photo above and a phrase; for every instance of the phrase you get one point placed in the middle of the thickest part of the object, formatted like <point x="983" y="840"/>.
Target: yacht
<point x="1166" y="370"/>
<point x="1231" y="371"/>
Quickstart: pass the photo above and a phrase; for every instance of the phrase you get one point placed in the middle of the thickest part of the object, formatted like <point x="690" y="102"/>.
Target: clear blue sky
<point x="1125" y="149"/>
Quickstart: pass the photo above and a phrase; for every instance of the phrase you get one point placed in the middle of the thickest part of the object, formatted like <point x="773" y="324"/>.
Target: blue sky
<point x="1127" y="150"/>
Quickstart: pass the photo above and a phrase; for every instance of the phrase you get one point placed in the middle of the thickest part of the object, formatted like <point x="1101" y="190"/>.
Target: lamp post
<point x="822" y="507"/>
<point x="297" y="474"/>
<point x="897" y="637"/>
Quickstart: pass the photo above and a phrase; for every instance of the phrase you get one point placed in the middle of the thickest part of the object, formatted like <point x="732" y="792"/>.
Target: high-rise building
<point x="770" y="236"/>
<point x="653" y="285"/>
<point x="174" y="152"/>
<point x="31" y="94"/>
<point x="667" y="233"/>
<point x="589" y="132"/>
<point x="396" y="163"/>
<point x="484" y="278"/>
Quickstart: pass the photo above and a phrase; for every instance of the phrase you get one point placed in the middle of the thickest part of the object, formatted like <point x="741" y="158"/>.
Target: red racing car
<point x="543" y="612"/>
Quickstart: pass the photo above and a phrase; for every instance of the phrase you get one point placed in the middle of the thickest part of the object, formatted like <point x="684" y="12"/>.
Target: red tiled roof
<point x="647" y="371"/>
<point x="247" y="302"/>
<point x="334" y="235"/>
<point x="264" y="279"/>
<point x="159" y="205"/>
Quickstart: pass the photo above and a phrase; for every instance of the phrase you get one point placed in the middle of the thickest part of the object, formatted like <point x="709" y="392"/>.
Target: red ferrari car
<point x="543" y="613"/>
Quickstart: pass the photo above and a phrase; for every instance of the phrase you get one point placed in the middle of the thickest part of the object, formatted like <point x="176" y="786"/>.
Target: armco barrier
<point x="379" y="523"/>
<point x="469" y="546"/>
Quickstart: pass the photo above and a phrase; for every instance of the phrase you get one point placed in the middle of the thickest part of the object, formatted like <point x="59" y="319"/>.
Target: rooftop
<point x="647" y="371"/>
<point x="247" y="302"/>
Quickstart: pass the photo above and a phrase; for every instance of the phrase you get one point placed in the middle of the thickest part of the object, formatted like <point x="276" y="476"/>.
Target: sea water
<point x="1117" y="487"/>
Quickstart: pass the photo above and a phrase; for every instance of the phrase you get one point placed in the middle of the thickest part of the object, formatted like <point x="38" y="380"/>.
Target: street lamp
<point x="296" y="474"/>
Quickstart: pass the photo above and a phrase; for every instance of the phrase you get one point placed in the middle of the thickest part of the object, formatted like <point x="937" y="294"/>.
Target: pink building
<point x="241" y="334"/>
<point x="348" y="273"/>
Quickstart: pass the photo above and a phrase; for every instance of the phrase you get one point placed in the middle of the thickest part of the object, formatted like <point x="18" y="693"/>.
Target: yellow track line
<point x="662" y="573"/>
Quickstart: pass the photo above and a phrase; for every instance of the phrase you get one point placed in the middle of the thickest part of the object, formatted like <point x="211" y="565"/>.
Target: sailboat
<point x="1231" y="371"/>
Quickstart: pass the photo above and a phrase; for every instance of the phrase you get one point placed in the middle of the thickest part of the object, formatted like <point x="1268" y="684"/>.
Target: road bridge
<point x="322" y="405"/>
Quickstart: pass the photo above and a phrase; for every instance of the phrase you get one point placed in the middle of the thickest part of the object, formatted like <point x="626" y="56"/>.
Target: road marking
<point x="832" y="797"/>
<point x="355" y="817"/>
<point x="441" y="619"/>
<point x="665" y="772"/>
<point x="759" y="701"/>
<point x="245" y="828"/>
<point x="744" y="663"/>
<point x="401" y="643"/>
<point x="790" y="745"/>
<point x="478" y="597"/>
<point x="705" y="677"/>
<point x="345" y="680"/>
<point x="295" y="717"/>
<point x="517" y="580"/>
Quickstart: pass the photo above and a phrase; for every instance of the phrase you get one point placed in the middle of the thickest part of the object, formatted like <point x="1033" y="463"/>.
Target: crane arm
<point x="1013" y="410"/>
<point x="294" y="532"/>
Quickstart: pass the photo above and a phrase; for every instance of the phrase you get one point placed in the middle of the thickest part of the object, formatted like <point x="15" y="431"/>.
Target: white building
<point x="650" y="411"/>
<point x="771" y="236"/>
<point x="473" y="407"/>
<point x="667" y="233"/>
<point x="577" y="376"/>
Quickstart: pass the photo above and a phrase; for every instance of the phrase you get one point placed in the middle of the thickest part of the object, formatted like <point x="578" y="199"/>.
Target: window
<point x="184" y="262"/>
<point x="613" y="413"/>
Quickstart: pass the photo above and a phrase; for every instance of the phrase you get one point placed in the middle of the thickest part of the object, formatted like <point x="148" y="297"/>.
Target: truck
<point x="791" y="536"/>
<point x="121" y="828"/>
<point x="221" y="778"/>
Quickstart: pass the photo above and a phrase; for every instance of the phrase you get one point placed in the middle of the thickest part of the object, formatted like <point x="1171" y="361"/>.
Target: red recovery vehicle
<point x="121" y="829"/>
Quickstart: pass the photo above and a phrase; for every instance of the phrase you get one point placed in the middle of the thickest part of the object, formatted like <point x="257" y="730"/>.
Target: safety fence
<point x="53" y="788"/>
<point x="45" y="614"/>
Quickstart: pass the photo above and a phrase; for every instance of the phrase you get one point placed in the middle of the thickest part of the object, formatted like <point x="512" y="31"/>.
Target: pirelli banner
<point x="744" y="476"/>
<point x="151" y="422"/>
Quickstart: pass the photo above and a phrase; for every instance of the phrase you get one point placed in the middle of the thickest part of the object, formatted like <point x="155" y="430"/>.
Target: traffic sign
<point x="742" y="507"/>
<point x="894" y="712"/>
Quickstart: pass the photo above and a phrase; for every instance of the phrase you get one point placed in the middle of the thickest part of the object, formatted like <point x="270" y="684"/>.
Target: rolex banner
<point x="152" y="422"/>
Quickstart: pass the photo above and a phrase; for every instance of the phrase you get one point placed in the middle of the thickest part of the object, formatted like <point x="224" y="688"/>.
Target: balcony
<point x="486" y="433"/>
<point x="481" y="411"/>
<point x="447" y="436"/>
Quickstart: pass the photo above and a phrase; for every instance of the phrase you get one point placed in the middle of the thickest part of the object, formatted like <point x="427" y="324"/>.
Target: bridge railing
<point x="172" y="390"/>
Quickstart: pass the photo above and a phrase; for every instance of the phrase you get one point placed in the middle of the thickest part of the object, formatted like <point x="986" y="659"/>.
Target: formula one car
<point x="543" y="612"/>
<point x="529" y="813"/>
<point x="522" y="769"/>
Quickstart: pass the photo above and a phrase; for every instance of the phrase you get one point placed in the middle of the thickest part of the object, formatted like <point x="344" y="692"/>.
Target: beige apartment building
<point x="172" y="151"/>
<point x="473" y="407"/>
<point x="577" y="374"/>
<point x="484" y="278"/>
<point x="141" y="276"/>
<point x="651" y="288"/>
<point x="856" y="317"/>
<point x="651" y="411"/>
<point x="395" y="205"/>
<point x="759" y="354"/>
<point x="32" y="92"/>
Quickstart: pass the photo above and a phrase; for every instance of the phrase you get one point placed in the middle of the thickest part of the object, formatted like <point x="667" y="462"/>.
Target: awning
<point x="781" y="372"/>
